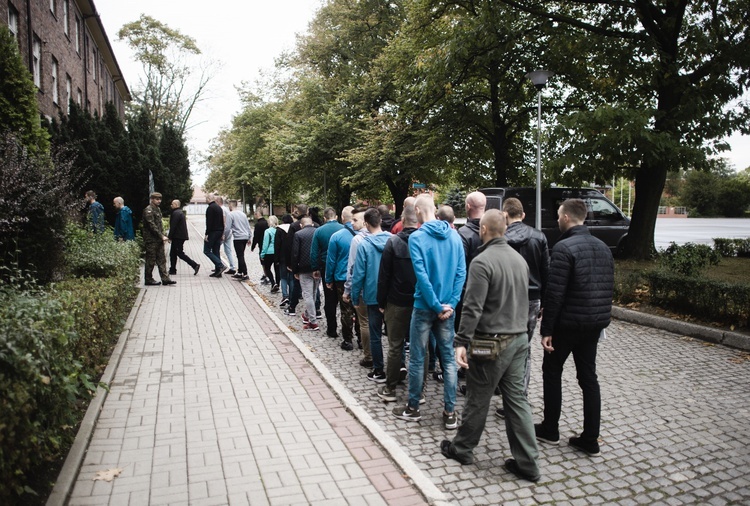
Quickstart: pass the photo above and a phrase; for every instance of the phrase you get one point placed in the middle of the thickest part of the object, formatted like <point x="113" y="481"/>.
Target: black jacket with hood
<point x="396" y="278"/>
<point x="532" y="245"/>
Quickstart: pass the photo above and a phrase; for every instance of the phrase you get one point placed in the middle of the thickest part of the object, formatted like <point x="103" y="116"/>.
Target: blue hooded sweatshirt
<point x="367" y="267"/>
<point x="437" y="254"/>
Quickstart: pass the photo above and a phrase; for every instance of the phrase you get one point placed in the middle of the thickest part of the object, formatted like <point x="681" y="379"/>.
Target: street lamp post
<point x="539" y="80"/>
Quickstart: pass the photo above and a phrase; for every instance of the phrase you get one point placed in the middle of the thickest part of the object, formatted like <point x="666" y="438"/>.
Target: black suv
<point x="604" y="220"/>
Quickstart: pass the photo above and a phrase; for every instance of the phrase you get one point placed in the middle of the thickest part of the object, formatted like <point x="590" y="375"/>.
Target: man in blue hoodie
<point x="365" y="283"/>
<point x="437" y="255"/>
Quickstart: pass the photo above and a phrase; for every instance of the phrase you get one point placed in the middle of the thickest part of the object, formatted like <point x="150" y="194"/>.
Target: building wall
<point x="83" y="56"/>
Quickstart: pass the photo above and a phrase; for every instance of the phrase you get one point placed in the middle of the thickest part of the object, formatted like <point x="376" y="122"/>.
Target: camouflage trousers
<point x="155" y="256"/>
<point x="347" y="313"/>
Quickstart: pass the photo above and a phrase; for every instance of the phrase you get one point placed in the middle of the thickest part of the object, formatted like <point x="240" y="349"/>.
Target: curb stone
<point x="717" y="336"/>
<point x="422" y="482"/>
<point x="69" y="472"/>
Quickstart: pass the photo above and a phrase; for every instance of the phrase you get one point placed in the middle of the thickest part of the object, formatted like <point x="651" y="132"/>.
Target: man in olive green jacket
<point x="153" y="243"/>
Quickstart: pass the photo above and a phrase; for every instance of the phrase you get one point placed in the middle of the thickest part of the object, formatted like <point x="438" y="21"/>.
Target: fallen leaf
<point x="108" y="475"/>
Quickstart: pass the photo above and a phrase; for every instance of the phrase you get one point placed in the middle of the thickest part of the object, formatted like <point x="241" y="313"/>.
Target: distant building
<point x="67" y="51"/>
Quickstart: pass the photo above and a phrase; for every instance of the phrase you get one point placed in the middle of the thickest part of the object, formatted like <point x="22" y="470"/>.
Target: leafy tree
<point x="654" y="84"/>
<point x="19" y="110"/>
<point x="173" y="178"/>
<point x="172" y="84"/>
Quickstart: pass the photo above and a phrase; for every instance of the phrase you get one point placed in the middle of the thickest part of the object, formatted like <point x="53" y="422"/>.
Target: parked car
<point x="605" y="220"/>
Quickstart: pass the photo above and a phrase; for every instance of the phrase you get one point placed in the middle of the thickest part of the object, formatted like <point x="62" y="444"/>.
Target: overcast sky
<point x="245" y="36"/>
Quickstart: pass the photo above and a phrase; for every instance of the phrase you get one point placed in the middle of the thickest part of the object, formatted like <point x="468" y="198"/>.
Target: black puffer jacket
<point x="396" y="278"/>
<point x="301" y="244"/>
<point x="532" y="245"/>
<point x="580" y="286"/>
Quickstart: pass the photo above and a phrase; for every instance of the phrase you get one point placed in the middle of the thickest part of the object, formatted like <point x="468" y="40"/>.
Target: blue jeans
<point x="228" y="243"/>
<point x="211" y="248"/>
<point x="422" y="322"/>
<point x="286" y="280"/>
<point x="376" y="336"/>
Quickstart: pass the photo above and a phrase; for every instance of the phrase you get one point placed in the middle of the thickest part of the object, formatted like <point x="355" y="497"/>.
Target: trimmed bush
<point x="689" y="259"/>
<point x="718" y="301"/>
<point x="732" y="247"/>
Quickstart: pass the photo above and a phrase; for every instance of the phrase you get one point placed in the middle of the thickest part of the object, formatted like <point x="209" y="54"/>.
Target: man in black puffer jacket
<point x="577" y="307"/>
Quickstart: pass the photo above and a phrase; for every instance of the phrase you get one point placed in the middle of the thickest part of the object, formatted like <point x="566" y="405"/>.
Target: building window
<point x="36" y="69"/>
<point x="52" y="7"/>
<point x="68" y="92"/>
<point x="66" y="17"/>
<point x="55" y="92"/>
<point x="94" y="63"/>
<point x="78" y="35"/>
<point x="13" y="21"/>
<point x="79" y="97"/>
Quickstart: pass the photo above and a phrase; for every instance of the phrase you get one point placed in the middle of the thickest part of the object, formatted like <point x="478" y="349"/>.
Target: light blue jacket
<point x="268" y="242"/>
<point x="437" y="254"/>
<point x="367" y="267"/>
<point x="337" y="257"/>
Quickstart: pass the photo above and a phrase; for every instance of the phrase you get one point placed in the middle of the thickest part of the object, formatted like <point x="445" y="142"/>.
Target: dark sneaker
<point x="462" y="389"/>
<point x="450" y="420"/>
<point x="311" y="326"/>
<point x="461" y="373"/>
<point x="332" y="335"/>
<point x="172" y="273"/>
<point x="275" y="289"/>
<point x="449" y="451"/>
<point x="243" y="277"/>
<point x="438" y="376"/>
<point x="289" y="311"/>
<point x="231" y="271"/>
<point x="378" y="376"/>
<point x="169" y="282"/>
<point x="152" y="282"/>
<point x="546" y="436"/>
<point x="500" y="412"/>
<point x="512" y="467"/>
<point x="407" y="413"/>
<point x="365" y="363"/>
<point x="588" y="447"/>
<point x="318" y="314"/>
<point x="402" y="374"/>
<point x="196" y="269"/>
<point x="284" y="303"/>
<point x="498" y="391"/>
<point x="386" y="394"/>
<point x="219" y="271"/>
<point x="347" y="346"/>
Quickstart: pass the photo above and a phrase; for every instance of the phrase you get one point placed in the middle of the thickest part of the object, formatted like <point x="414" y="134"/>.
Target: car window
<point x="602" y="210"/>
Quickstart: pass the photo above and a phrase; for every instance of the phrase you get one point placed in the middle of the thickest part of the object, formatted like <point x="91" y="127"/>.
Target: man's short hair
<point x="409" y="216"/>
<point x="476" y="200"/>
<point x="494" y="221"/>
<point x="233" y="203"/>
<point x="445" y="213"/>
<point x="576" y="209"/>
<point x="91" y="194"/>
<point x="329" y="213"/>
<point x="513" y="207"/>
<point x="219" y="200"/>
<point x="425" y="203"/>
<point x="287" y="218"/>
<point x="383" y="209"/>
<point x="372" y="217"/>
<point x="346" y="213"/>
<point x="302" y="210"/>
<point x="305" y="221"/>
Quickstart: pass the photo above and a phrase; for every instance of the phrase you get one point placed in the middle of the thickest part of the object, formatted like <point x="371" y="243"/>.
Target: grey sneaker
<point x="407" y="413"/>
<point x="450" y="420"/>
<point x="386" y="394"/>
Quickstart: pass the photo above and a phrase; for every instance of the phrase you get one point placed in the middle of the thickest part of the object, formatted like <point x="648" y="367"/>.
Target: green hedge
<point x="53" y="342"/>
<point x="732" y="247"/>
<point x="718" y="301"/>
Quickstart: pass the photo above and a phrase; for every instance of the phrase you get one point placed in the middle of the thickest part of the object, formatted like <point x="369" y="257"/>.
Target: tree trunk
<point x="649" y="185"/>
<point x="399" y="191"/>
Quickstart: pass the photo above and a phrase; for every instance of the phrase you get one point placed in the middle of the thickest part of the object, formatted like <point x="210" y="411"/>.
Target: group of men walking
<point x="478" y="294"/>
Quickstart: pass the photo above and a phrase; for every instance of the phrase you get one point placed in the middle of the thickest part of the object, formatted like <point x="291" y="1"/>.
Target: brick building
<point x="66" y="49"/>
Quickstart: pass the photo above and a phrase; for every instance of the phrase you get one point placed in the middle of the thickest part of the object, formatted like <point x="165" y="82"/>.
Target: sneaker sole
<point x="376" y="380"/>
<point x="548" y="441"/>
<point x="408" y="418"/>
<point x="386" y="398"/>
<point x="451" y="426"/>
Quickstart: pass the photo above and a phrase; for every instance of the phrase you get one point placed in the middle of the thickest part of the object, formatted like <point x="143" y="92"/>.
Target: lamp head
<point x="539" y="78"/>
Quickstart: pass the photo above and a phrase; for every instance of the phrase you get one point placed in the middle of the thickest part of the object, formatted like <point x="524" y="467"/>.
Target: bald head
<point x="409" y="201"/>
<point x="425" y="207"/>
<point x="492" y="225"/>
<point x="475" y="204"/>
<point x="346" y="214"/>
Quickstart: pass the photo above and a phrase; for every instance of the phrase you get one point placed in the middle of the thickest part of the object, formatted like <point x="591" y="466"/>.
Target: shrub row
<point x="732" y="247"/>
<point x="718" y="301"/>
<point x="54" y="342"/>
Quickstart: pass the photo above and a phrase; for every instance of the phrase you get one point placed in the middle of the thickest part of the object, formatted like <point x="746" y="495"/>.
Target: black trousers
<point x="239" y="250"/>
<point x="583" y="347"/>
<point x="329" y="307"/>
<point x="176" y="251"/>
<point x="269" y="261"/>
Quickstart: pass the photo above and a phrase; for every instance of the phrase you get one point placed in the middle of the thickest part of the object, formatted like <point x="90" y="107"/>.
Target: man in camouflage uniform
<point x="153" y="242"/>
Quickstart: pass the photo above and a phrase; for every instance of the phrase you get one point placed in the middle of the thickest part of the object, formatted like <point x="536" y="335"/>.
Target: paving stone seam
<point x="69" y="472"/>
<point x="431" y="492"/>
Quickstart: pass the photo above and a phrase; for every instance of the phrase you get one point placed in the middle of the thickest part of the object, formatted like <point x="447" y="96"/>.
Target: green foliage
<point x="19" y="110"/>
<point x="173" y="176"/>
<point x="37" y="192"/>
<point x="40" y="383"/>
<point x="732" y="247"/>
<point x="728" y="303"/>
<point x="715" y="194"/>
<point x="53" y="343"/>
<point x="689" y="259"/>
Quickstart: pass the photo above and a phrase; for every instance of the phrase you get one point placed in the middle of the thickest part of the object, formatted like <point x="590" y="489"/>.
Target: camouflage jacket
<point x="152" y="226"/>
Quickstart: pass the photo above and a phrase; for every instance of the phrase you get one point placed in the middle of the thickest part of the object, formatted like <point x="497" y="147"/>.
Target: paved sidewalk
<point x="213" y="404"/>
<point x="221" y="399"/>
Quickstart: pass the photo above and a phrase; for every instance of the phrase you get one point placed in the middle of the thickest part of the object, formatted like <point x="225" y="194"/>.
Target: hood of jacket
<point x="378" y="240"/>
<point x="438" y="229"/>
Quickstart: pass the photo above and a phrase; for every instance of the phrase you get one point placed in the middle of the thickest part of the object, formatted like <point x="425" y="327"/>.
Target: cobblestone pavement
<point x="212" y="404"/>
<point x="675" y="415"/>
